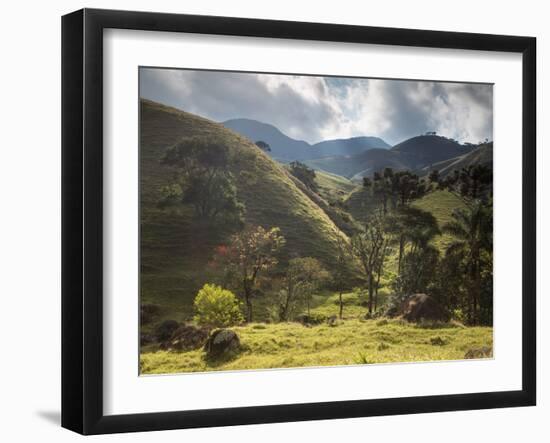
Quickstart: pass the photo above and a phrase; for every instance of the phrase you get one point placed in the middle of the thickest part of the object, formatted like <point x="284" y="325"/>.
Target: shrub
<point x="217" y="307"/>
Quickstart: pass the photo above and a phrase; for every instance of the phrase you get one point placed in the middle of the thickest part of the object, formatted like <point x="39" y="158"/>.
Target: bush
<point x="217" y="307"/>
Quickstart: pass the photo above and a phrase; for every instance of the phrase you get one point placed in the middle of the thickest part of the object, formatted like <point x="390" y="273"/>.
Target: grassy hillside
<point x="332" y="186"/>
<point x="352" y="341"/>
<point x="363" y="164"/>
<point x="440" y="203"/>
<point x="174" y="251"/>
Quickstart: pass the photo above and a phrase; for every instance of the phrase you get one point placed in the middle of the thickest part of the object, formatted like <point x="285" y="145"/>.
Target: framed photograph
<point x="269" y="221"/>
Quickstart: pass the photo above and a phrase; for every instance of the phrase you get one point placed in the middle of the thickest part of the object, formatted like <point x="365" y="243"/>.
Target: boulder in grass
<point x="164" y="330"/>
<point x="483" y="352"/>
<point x="186" y="338"/>
<point x="422" y="307"/>
<point x="222" y="342"/>
<point x="310" y="320"/>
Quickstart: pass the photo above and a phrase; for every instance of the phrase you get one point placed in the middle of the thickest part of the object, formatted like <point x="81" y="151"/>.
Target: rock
<point x="332" y="320"/>
<point x="418" y="307"/>
<point x="146" y="339"/>
<point x="186" y="338"/>
<point x="483" y="352"/>
<point x="437" y="341"/>
<point x="164" y="331"/>
<point x="392" y="312"/>
<point x="220" y="342"/>
<point x="308" y="320"/>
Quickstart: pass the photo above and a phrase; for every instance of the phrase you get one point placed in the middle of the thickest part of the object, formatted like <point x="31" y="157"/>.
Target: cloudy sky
<point x="319" y="108"/>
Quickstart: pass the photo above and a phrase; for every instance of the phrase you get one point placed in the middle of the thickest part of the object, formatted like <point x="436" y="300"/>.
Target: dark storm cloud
<point x="316" y="108"/>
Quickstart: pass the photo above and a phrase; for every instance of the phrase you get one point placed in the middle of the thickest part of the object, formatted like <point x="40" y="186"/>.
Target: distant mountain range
<point x="287" y="149"/>
<point x="359" y="157"/>
<point x="417" y="153"/>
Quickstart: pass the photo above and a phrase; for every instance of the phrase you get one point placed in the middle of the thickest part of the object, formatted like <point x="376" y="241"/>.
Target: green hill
<point x="415" y="153"/>
<point x="427" y="149"/>
<point x="441" y="204"/>
<point x="363" y="164"/>
<point x="174" y="252"/>
<point x="482" y="155"/>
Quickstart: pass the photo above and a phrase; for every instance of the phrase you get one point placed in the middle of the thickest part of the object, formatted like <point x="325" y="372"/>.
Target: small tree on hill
<point x="305" y="174"/>
<point x="263" y="146"/>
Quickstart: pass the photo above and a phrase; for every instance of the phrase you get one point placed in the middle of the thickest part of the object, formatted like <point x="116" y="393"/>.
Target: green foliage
<point x="395" y="188"/>
<point x="177" y="246"/>
<point x="305" y="174"/>
<point x="250" y="253"/>
<point x="473" y="182"/>
<point x="217" y="307"/>
<point x="472" y="229"/>
<point x="263" y="146"/>
<point x="370" y="248"/>
<point x="202" y="179"/>
<point x="302" y="277"/>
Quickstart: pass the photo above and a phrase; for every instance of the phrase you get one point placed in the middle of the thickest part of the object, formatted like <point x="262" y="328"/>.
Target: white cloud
<point x="317" y="108"/>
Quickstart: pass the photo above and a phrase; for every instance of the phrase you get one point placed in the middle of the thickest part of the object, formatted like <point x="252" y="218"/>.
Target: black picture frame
<point x="82" y="218"/>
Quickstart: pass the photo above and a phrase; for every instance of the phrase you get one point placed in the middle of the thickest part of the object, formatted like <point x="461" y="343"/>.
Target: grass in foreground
<point x="288" y="345"/>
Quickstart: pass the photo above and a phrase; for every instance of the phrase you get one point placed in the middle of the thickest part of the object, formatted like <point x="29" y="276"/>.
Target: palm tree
<point x="472" y="229"/>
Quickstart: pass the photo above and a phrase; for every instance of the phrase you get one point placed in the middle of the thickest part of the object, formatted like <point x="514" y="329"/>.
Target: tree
<point x="301" y="279"/>
<point x="263" y="146"/>
<point x="418" y="270"/>
<point x="367" y="247"/>
<point x="217" y="307"/>
<point x="305" y="174"/>
<point x="396" y="187"/>
<point x="471" y="183"/>
<point x="250" y="253"/>
<point x="381" y="186"/>
<point x="202" y="179"/>
<point x="342" y="271"/>
<point x="411" y="226"/>
<point x="472" y="231"/>
<point x="434" y="176"/>
<point x="407" y="187"/>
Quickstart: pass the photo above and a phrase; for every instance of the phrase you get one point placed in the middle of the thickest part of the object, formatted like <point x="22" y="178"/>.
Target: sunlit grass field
<point x="351" y="341"/>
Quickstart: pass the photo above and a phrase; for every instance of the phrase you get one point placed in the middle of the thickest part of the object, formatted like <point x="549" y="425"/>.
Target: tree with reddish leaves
<point x="250" y="253"/>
